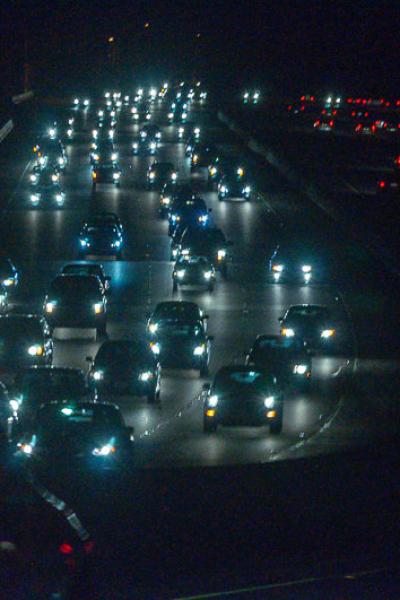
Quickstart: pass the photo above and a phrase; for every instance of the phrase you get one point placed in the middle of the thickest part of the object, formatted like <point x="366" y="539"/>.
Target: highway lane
<point x="245" y="305"/>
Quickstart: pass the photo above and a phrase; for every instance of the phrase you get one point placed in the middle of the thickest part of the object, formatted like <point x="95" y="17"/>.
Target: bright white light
<point x="14" y="405"/>
<point x="69" y="132"/>
<point x="153" y="327"/>
<point x="199" y="350"/>
<point x="300" y="369"/>
<point x="98" y="307"/>
<point x="288" y="332"/>
<point x="155" y="348"/>
<point x="50" y="306"/>
<point x="116" y="175"/>
<point x="170" y="115"/>
<point x="181" y="273"/>
<point x="59" y="198"/>
<point x="35" y="350"/>
<point x="76" y="101"/>
<point x="54" y="177"/>
<point x="327" y="333"/>
<point x="269" y="401"/>
<point x="224" y="189"/>
<point x="213" y="401"/>
<point x="221" y="254"/>
<point x="174" y="176"/>
<point x="35" y="198"/>
<point x="67" y="411"/>
<point x="105" y="450"/>
<point x="207" y="274"/>
<point x="98" y="375"/>
<point x="247" y="189"/>
<point x="277" y="268"/>
<point x="27" y="448"/>
<point x="114" y="156"/>
<point x="306" y="268"/>
<point x="152" y="175"/>
<point x="33" y="177"/>
<point x="146" y="376"/>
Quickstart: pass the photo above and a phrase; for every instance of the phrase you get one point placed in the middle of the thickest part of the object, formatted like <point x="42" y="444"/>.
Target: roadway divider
<point x="5" y="130"/>
<point x="19" y="98"/>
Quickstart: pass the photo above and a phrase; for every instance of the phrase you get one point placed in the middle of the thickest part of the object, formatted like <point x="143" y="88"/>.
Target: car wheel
<point x="209" y="425"/>
<point x="276" y="426"/>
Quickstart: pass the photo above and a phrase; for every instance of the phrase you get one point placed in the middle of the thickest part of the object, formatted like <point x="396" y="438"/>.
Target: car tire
<point x="276" y="426"/>
<point x="209" y="426"/>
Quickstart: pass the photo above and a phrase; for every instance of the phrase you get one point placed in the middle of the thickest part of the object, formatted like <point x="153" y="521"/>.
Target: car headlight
<point x="166" y="201"/>
<point x="59" y="197"/>
<point x="86" y="102"/>
<point x="133" y="110"/>
<point x="116" y="175"/>
<point x="300" y="369"/>
<point x="54" y="177"/>
<point x="184" y="115"/>
<point x="105" y="450"/>
<point x="153" y="145"/>
<point x="181" y="273"/>
<point x="196" y="131"/>
<point x="175" y="218"/>
<point x="247" y="189"/>
<point x="76" y="101"/>
<point x="33" y="178"/>
<point x="221" y="254"/>
<point x="181" y="131"/>
<point x="52" y="132"/>
<point x="69" y="132"/>
<point x="203" y="218"/>
<point x="98" y="308"/>
<point x="96" y="157"/>
<point x="84" y="243"/>
<point x="195" y="158"/>
<point x="175" y="252"/>
<point x="101" y="113"/>
<point x="152" y="175"/>
<point x="95" y="133"/>
<point x="170" y="115"/>
<point x="98" y="375"/>
<point x="26" y="448"/>
<point x="155" y="348"/>
<point x="199" y="350"/>
<point x="212" y="400"/>
<point x="14" y="405"/>
<point x="207" y="274"/>
<point x="153" y="327"/>
<point x="306" y="268"/>
<point x="60" y="161"/>
<point x="269" y="401"/>
<point x="327" y="333"/>
<point x="50" y="306"/>
<point x="240" y="172"/>
<point x="146" y="376"/>
<point x="224" y="189"/>
<point x="8" y="282"/>
<point x="135" y="145"/>
<point x="114" y="156"/>
<point x="36" y="350"/>
<point x="277" y="268"/>
<point x="288" y="332"/>
<point x="185" y="252"/>
<point x="174" y="176"/>
<point x="213" y="171"/>
<point x="35" y="197"/>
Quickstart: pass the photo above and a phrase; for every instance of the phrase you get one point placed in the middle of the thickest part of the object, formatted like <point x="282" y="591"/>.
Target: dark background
<point x="296" y="46"/>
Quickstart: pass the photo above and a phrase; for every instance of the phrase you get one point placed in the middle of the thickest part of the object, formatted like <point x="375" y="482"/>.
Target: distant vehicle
<point x="160" y="173"/>
<point x="209" y="242"/>
<point x="389" y="184"/>
<point x="298" y="263"/>
<point x="312" y="323"/>
<point x="105" y="219"/>
<point x="125" y="367"/>
<point x="46" y="176"/>
<point x="202" y="156"/>
<point x="51" y="152"/>
<point x="187" y="312"/>
<point x="76" y="301"/>
<point x="104" y="153"/>
<point x="365" y="128"/>
<point x="172" y="192"/>
<point x="324" y="123"/>
<point x="100" y="240"/>
<point x="25" y="341"/>
<point x="89" y="269"/>
<point x="230" y="167"/>
<point x="84" y="431"/>
<point x="243" y="395"/>
<point x="8" y="274"/>
<point x="286" y="358"/>
<point x="233" y="187"/>
<point x="106" y="173"/>
<point x="195" y="270"/>
<point x="191" y="211"/>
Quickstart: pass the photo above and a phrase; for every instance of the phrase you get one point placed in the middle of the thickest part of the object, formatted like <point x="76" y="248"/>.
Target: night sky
<point x="289" y="46"/>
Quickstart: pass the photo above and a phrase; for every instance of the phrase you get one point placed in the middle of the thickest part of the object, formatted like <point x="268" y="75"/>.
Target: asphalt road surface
<point x="41" y="240"/>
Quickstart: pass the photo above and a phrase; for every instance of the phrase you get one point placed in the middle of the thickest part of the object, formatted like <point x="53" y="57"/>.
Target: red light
<point x="382" y="184"/>
<point x="324" y="111"/>
<point x="387" y="103"/>
<point x="397" y="102"/>
<point x="358" y="127"/>
<point x="349" y="100"/>
<point x="364" y="101"/>
<point x="66" y="548"/>
<point x="358" y="100"/>
<point x="353" y="114"/>
<point x="302" y="98"/>
<point x="366" y="114"/>
<point x="317" y="123"/>
<point x="290" y="107"/>
<point x="302" y="107"/>
<point x="334" y="113"/>
<point x="373" y="128"/>
<point x="397" y="160"/>
<point x="312" y="98"/>
<point x="331" y="123"/>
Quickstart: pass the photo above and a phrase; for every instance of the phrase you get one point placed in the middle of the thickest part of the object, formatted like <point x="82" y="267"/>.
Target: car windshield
<point x="242" y="381"/>
<point x="278" y="345"/>
<point x="162" y="168"/>
<point x="175" y="328"/>
<point x="63" y="416"/>
<point x="75" y="286"/>
<point x="178" y="310"/>
<point x="52" y="383"/>
<point x="123" y="353"/>
<point x="311" y="312"/>
<point x="82" y="270"/>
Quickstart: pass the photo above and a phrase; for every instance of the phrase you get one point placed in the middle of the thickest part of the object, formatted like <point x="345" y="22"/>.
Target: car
<point x="151" y="131"/>
<point x="191" y="211"/>
<point x="178" y="112"/>
<point x="191" y="131"/>
<point x="202" y="156"/>
<point x="104" y="153"/>
<point x="145" y="144"/>
<point x="176" y="240"/>
<point x="51" y="152"/>
<point x="106" y="219"/>
<point x="36" y="385"/>
<point x="45" y="176"/>
<point x="83" y="431"/>
<point x="286" y="358"/>
<point x="140" y="114"/>
<point x="125" y="367"/>
<point x="9" y="276"/>
<point x="171" y="192"/>
<point x="243" y="396"/>
<point x="70" y="128"/>
<point x="209" y="242"/>
<point x="47" y="195"/>
<point x="173" y="310"/>
<point x="100" y="240"/>
<point x="25" y="341"/>
<point x="88" y="268"/>
<point x="181" y="343"/>
<point x="312" y="323"/>
<point x="297" y="263"/>
<point x="233" y="187"/>
<point x="324" y="123"/>
<point x="228" y="166"/>
<point x="194" y="270"/>
<point x="76" y="301"/>
<point x="366" y="128"/>
<point x="160" y="173"/>
<point x="106" y="173"/>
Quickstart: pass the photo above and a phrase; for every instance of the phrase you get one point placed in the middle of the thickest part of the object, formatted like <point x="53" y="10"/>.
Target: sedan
<point x="195" y="270"/>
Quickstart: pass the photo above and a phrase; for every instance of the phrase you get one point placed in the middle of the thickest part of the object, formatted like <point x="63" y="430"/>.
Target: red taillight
<point x="312" y="98"/>
<point x="317" y="123"/>
<point x="353" y="114"/>
<point x="302" y="98"/>
<point x="382" y="184"/>
<point x="397" y="160"/>
<point x="302" y="107"/>
<point x="66" y="548"/>
<point x="373" y="128"/>
<point x="358" y="127"/>
<point x="349" y="100"/>
<point x="324" y="112"/>
<point x="366" y="114"/>
<point x="290" y="107"/>
<point x="364" y="101"/>
<point x="331" y="123"/>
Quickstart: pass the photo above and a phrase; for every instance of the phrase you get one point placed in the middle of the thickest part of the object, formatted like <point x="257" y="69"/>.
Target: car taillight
<point x="331" y="123"/>
<point x="382" y="184"/>
<point x="65" y="548"/>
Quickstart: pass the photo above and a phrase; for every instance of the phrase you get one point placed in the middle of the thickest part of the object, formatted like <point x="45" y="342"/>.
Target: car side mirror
<point x="206" y="387"/>
<point x="210" y="338"/>
<point x="89" y="359"/>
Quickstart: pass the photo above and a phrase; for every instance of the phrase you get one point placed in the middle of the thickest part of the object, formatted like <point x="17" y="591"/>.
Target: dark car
<point x="160" y="173"/>
<point x="84" y="431"/>
<point x="106" y="173"/>
<point x="76" y="301"/>
<point x="226" y="166"/>
<point x="295" y="263"/>
<point x="3" y="299"/>
<point x="172" y="192"/>
<point x="202" y="156"/>
<point x="187" y="312"/>
<point x="176" y="240"/>
<point x="151" y="132"/>
<point x="100" y="240"/>
<point x="125" y="367"/>
<point x="104" y="153"/>
<point x="88" y="268"/>
<point x="8" y="274"/>
<point x="25" y="341"/>
<point x="181" y="344"/>
<point x="51" y="152"/>
<point x="104" y="218"/>
<point x="194" y="270"/>
<point x="34" y="386"/>
<point x="233" y="187"/>
<point x="191" y="132"/>
<point x="286" y="358"/>
<point x="312" y="323"/>
<point x="145" y="145"/>
<point x="209" y="242"/>
<point x="190" y="211"/>
<point x="53" y="195"/>
<point x="243" y="395"/>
